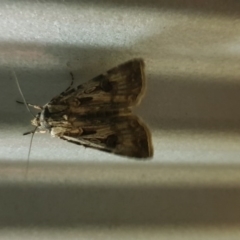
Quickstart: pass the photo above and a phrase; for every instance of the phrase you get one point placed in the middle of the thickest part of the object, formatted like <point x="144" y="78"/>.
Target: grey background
<point x="191" y="50"/>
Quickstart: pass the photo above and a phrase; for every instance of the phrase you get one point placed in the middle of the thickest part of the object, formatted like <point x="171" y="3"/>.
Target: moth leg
<point x="30" y="132"/>
<point x="67" y="91"/>
<point x="71" y="84"/>
<point x="72" y="79"/>
<point x="31" y="105"/>
<point x="34" y="131"/>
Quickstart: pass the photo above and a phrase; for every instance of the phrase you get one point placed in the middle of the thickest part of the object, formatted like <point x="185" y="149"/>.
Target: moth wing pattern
<point x="120" y="87"/>
<point x="121" y="135"/>
<point x="97" y="113"/>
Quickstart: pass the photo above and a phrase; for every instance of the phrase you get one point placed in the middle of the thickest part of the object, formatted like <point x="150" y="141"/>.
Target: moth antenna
<point x="32" y="132"/>
<point x="29" y="151"/>
<point x="19" y="89"/>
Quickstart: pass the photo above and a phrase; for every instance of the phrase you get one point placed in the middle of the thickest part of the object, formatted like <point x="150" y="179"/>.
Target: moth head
<point x="36" y="121"/>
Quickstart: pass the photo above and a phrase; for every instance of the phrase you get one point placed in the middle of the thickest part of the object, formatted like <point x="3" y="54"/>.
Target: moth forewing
<point x="128" y="80"/>
<point x="97" y="113"/>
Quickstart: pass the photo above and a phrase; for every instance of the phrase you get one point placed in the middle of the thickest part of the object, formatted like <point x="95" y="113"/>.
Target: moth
<point x="98" y="113"/>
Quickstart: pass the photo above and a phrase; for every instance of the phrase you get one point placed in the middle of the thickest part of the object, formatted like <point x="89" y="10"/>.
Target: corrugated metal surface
<point x="190" y="189"/>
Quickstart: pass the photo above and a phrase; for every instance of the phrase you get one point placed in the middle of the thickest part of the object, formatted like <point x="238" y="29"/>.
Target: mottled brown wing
<point x="121" y="135"/>
<point x="120" y="87"/>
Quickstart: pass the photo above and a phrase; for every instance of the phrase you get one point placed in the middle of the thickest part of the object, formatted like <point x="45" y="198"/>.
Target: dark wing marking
<point x="120" y="87"/>
<point x="122" y="135"/>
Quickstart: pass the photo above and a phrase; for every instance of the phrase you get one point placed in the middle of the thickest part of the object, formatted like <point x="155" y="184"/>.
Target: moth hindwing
<point x="97" y="113"/>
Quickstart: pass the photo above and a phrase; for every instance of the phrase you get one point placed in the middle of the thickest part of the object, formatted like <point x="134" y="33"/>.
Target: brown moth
<point x="97" y="113"/>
